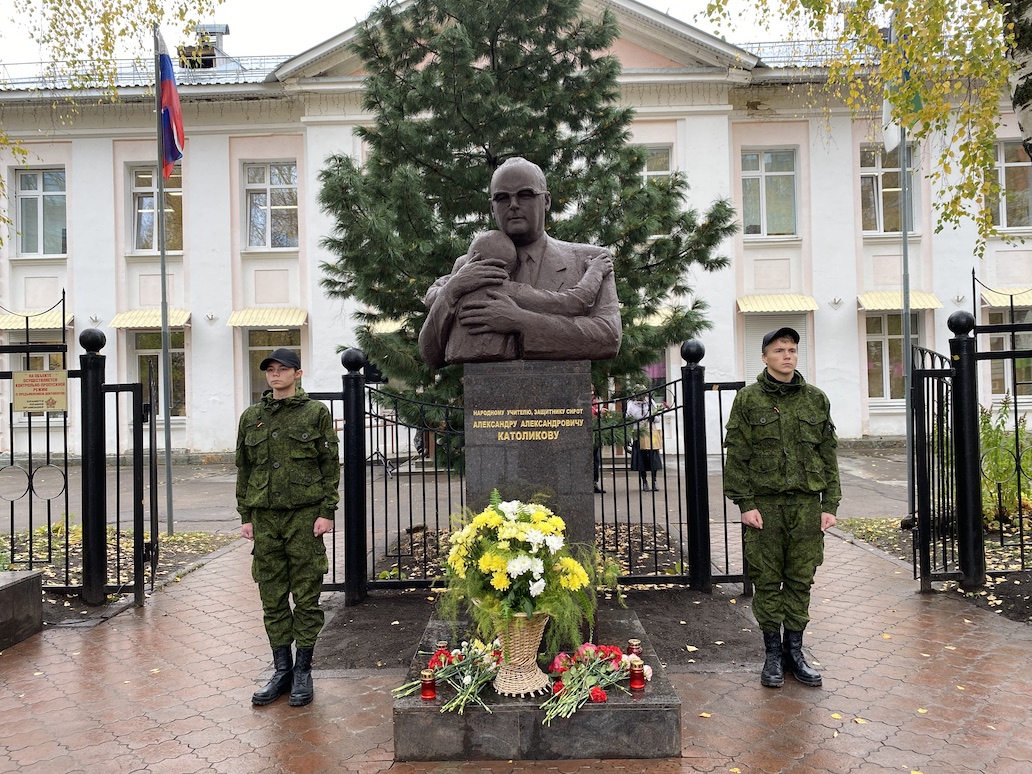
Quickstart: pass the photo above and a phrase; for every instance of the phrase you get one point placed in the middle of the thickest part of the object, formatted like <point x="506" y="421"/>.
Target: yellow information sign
<point x="40" y="390"/>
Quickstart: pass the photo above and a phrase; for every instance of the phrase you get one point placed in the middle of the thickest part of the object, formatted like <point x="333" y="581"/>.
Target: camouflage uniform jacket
<point x="286" y="456"/>
<point x="781" y="441"/>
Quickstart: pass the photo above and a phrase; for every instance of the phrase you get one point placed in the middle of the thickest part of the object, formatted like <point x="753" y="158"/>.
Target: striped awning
<point x="264" y="317"/>
<point x="49" y="320"/>
<point x="149" y="318"/>
<point x="892" y="300"/>
<point x="1022" y="296"/>
<point x="776" y="302"/>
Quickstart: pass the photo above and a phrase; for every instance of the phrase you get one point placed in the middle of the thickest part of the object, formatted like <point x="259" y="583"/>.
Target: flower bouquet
<point x="585" y="676"/>
<point x="467" y="669"/>
<point x="509" y="568"/>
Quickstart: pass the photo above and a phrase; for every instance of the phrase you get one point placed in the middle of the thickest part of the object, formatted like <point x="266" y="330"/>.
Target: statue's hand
<point x="476" y="274"/>
<point x="497" y="313"/>
<point x="605" y="261"/>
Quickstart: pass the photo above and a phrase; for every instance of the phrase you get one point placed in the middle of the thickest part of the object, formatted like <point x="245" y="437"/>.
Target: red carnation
<point x="597" y="695"/>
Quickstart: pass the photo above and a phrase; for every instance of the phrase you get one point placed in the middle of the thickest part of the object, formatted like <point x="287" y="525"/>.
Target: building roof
<point x="676" y="48"/>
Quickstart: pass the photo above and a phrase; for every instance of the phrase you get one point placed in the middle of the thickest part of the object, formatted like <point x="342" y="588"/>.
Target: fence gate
<point x="72" y="521"/>
<point x="934" y="525"/>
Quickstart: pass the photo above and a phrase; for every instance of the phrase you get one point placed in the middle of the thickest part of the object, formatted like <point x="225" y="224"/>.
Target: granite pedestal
<point x="21" y="606"/>
<point x="641" y="724"/>
<point x="528" y="433"/>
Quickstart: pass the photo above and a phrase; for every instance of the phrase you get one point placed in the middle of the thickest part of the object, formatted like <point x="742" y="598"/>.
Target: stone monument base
<point x="641" y="724"/>
<point x="21" y="606"/>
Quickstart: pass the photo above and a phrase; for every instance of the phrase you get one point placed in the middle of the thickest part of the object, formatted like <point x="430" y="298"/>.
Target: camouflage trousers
<point x="783" y="557"/>
<point x="289" y="561"/>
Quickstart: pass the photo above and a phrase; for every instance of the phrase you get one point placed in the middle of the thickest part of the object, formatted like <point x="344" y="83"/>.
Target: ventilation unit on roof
<point x="209" y="46"/>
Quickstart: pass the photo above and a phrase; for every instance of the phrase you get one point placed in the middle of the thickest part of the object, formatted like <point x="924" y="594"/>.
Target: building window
<point x="271" y="205"/>
<point x="768" y="192"/>
<point x="259" y="345"/>
<point x="147" y="345"/>
<point x="658" y="164"/>
<point x="42" y="222"/>
<point x="1010" y="377"/>
<point x="885" y="376"/>
<point x="1013" y="169"/>
<point x="145" y="221"/>
<point x="880" y="190"/>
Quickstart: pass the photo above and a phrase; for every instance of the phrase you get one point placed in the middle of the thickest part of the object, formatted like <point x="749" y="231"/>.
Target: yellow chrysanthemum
<point x="491" y="562"/>
<point x="573" y="576"/>
<point x="500" y="581"/>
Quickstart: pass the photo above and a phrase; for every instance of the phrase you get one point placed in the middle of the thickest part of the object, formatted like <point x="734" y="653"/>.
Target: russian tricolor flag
<point x="172" y="140"/>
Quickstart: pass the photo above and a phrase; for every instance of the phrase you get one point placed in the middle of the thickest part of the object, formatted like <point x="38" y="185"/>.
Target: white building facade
<point x="820" y="247"/>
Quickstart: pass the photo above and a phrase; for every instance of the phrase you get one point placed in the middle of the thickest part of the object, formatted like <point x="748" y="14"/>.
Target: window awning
<point x="776" y="302"/>
<point x="892" y="300"/>
<point x="50" y="320"/>
<point x="1002" y="296"/>
<point x="149" y="318"/>
<point x="265" y="317"/>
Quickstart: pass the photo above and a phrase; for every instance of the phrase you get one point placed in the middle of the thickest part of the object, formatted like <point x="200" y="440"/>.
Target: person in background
<point x="286" y="489"/>
<point x="782" y="472"/>
<point x="646" y="455"/>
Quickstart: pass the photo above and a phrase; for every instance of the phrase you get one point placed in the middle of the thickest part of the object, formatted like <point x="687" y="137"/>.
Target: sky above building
<point x="272" y="27"/>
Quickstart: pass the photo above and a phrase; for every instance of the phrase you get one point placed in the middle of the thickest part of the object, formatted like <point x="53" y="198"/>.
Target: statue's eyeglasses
<point x="523" y="196"/>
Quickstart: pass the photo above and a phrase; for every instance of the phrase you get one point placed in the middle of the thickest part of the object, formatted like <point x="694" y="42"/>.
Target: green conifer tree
<point x="455" y="88"/>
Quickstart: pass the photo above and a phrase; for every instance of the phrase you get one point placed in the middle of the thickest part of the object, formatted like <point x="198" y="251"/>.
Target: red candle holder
<point x="637" y="674"/>
<point x="634" y="647"/>
<point x="428" y="685"/>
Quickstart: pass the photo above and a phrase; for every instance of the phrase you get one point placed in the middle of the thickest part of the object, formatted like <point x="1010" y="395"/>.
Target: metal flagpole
<point x="907" y="354"/>
<point x="159" y="205"/>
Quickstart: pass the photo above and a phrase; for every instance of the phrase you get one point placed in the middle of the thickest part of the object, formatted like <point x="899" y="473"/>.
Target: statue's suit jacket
<point x="594" y="336"/>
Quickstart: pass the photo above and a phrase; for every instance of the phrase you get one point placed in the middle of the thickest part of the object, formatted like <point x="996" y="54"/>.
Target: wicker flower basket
<point x="519" y="674"/>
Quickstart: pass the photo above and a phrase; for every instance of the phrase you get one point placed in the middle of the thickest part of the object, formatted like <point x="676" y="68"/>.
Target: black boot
<point x="773" y="674"/>
<point x="281" y="680"/>
<point x="301" y="693"/>
<point x="644" y="484"/>
<point x="795" y="661"/>
<point x="654" y="487"/>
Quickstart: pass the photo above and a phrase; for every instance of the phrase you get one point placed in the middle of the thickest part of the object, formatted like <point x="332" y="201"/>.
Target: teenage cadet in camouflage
<point x="783" y="474"/>
<point x="287" y="477"/>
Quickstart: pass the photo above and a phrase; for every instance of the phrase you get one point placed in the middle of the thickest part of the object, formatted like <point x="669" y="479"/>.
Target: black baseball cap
<point x="780" y="333"/>
<point x="283" y="356"/>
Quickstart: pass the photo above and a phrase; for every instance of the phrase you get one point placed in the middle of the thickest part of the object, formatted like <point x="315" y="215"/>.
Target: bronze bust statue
<point x="520" y="294"/>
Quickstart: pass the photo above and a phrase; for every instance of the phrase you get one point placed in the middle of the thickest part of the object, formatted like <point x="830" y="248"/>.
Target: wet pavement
<point x="912" y="682"/>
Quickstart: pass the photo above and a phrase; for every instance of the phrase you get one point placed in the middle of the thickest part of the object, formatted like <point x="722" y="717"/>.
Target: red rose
<point x="597" y="695"/>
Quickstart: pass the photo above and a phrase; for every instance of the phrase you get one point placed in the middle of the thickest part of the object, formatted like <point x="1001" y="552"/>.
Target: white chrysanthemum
<point x="510" y="509"/>
<point x="537" y="568"/>
<point x="518" y="565"/>
<point x="554" y="542"/>
<point x="537" y="587"/>
<point x="535" y="537"/>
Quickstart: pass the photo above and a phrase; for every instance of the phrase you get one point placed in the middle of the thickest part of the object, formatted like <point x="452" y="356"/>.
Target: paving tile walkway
<point x="913" y="683"/>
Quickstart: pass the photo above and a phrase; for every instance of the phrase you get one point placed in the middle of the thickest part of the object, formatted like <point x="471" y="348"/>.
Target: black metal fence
<point x="40" y="486"/>
<point x="403" y="482"/>
<point x="958" y="484"/>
